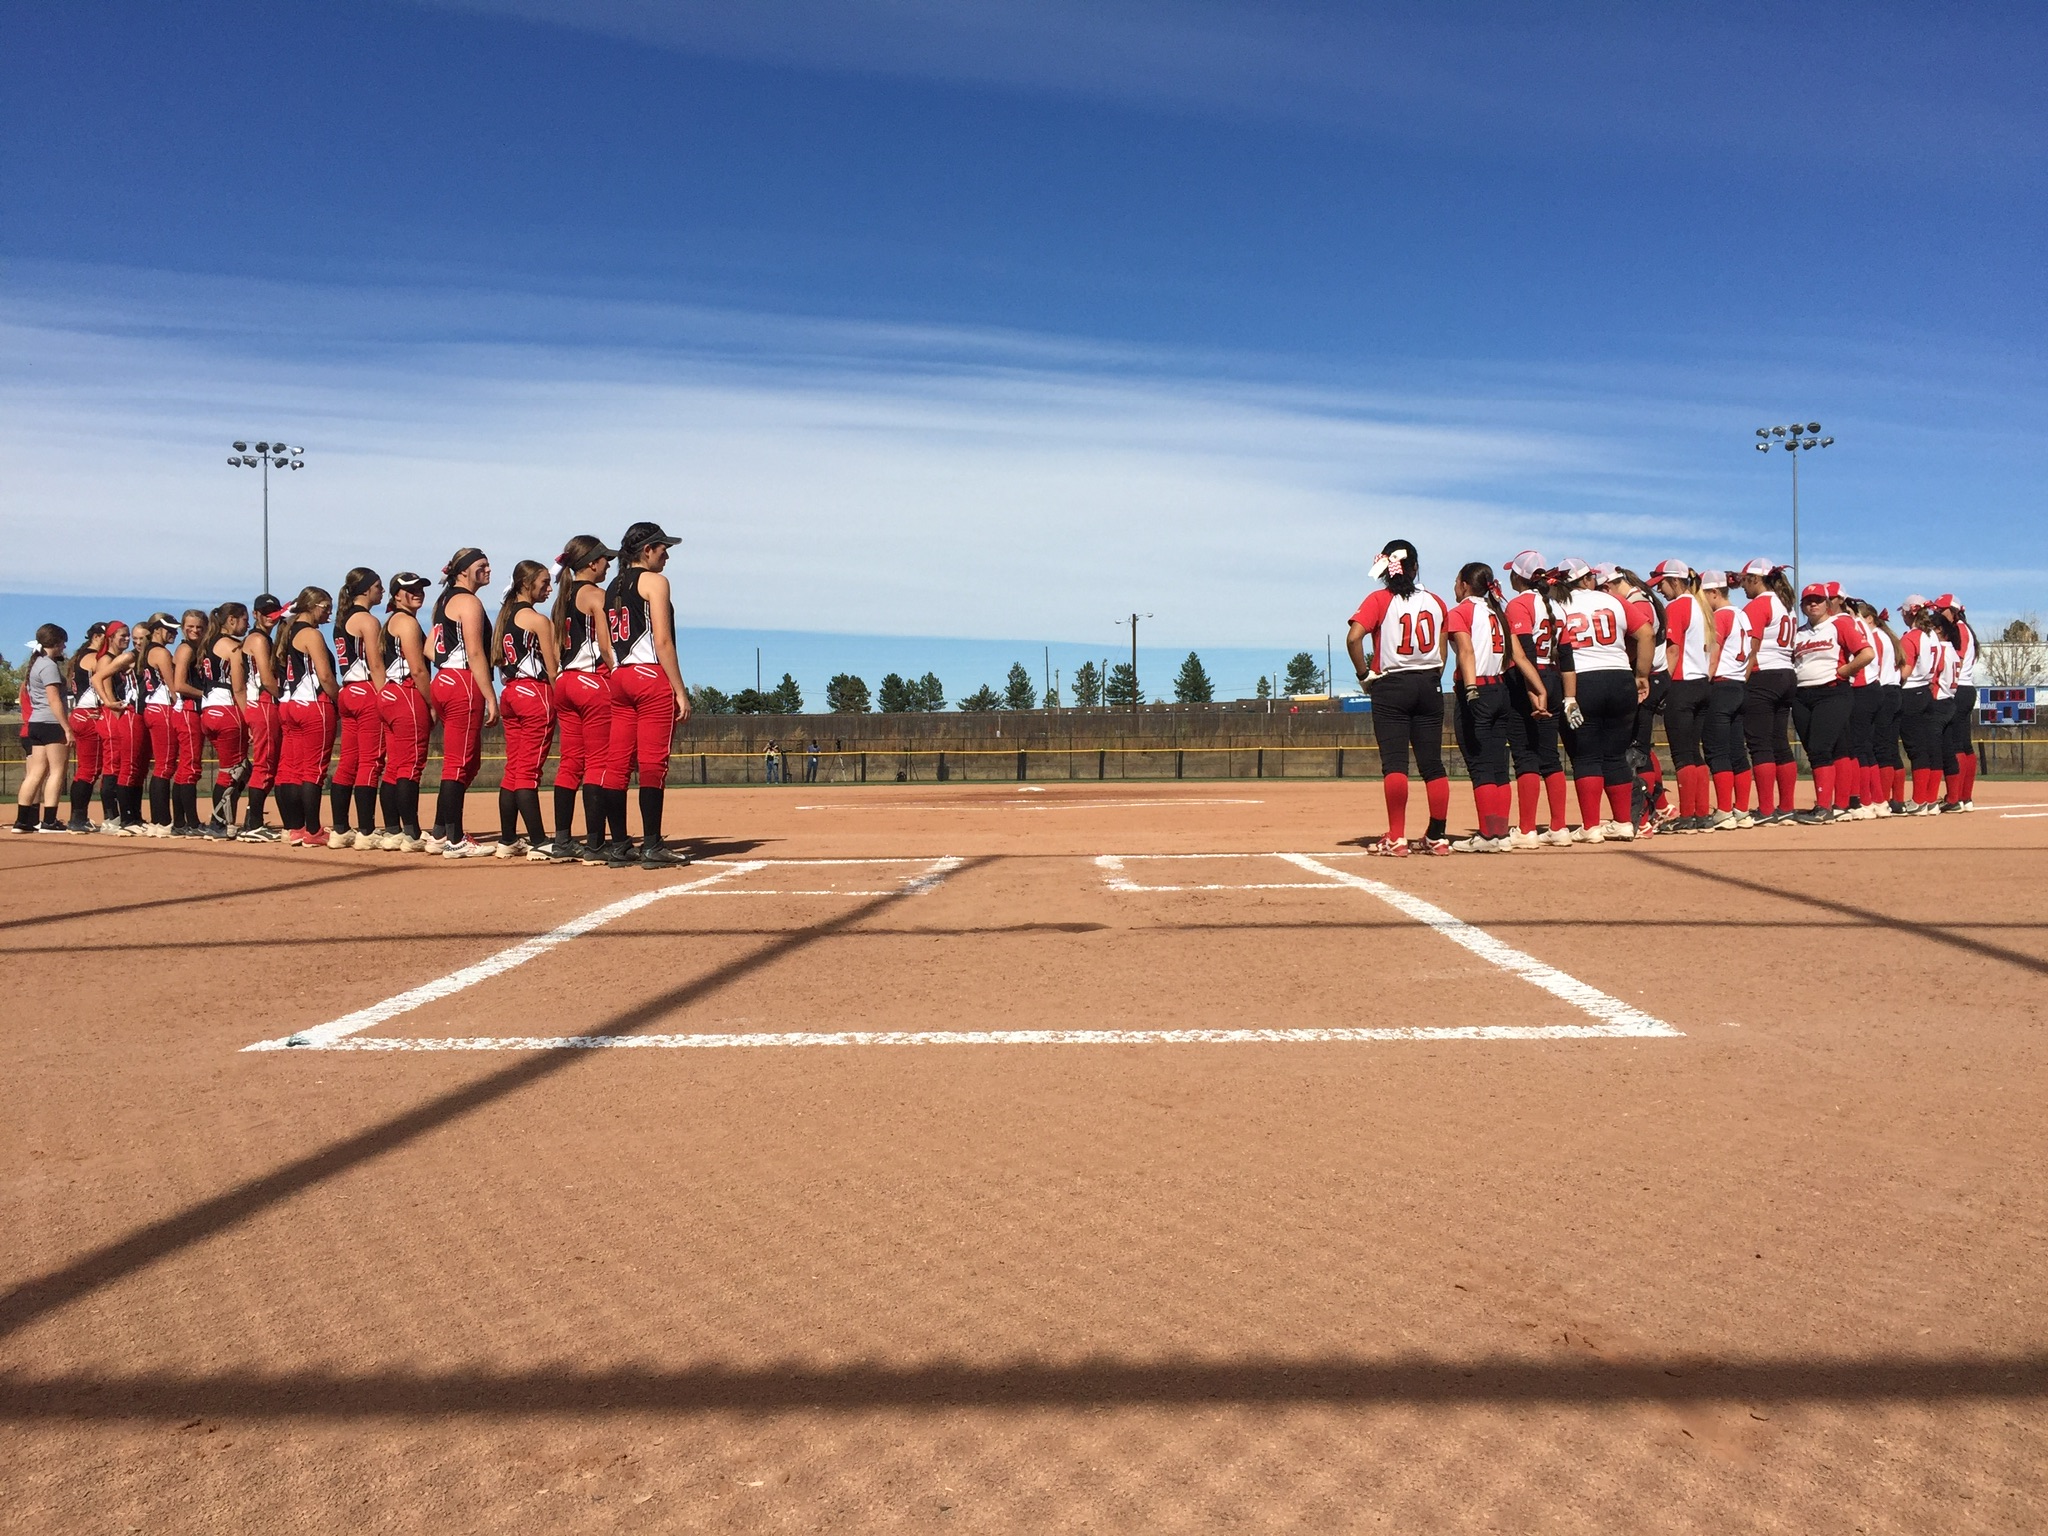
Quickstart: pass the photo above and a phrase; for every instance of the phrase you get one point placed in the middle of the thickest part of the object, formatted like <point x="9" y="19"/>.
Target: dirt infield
<point x="1170" y="1166"/>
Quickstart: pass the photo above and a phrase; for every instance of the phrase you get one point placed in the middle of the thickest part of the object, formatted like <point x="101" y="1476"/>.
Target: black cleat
<point x="658" y="855"/>
<point x="622" y="855"/>
<point x="596" y="851"/>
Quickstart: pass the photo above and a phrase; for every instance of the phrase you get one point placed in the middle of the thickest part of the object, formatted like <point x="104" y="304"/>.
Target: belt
<point x="1489" y="682"/>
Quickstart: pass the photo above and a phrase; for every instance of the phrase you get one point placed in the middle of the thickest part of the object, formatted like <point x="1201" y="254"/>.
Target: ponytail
<point x="1778" y="583"/>
<point x="353" y="586"/>
<point x="1397" y="567"/>
<point x="577" y="553"/>
<point x="95" y="634"/>
<point x="217" y="626"/>
<point x="523" y="579"/>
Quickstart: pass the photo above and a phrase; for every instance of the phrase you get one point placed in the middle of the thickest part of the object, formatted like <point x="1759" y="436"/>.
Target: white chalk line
<point x="2024" y="816"/>
<point x="1587" y="999"/>
<point x="1000" y="805"/>
<point x="1112" y="867"/>
<point x="329" y="1034"/>
<point x="906" y="1037"/>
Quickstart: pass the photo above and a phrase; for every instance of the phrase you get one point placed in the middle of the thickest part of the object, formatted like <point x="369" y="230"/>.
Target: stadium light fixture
<point x="268" y="456"/>
<point x="1794" y="439"/>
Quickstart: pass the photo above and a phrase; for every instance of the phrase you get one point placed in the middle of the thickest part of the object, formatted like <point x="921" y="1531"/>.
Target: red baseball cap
<point x="1672" y="570"/>
<point x="1946" y="600"/>
<point x="1814" y="592"/>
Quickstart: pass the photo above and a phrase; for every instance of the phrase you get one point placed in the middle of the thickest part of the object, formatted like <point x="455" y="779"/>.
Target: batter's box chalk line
<point x="930" y="875"/>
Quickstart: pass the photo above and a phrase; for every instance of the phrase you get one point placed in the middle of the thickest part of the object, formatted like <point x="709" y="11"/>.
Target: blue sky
<point x="1003" y="319"/>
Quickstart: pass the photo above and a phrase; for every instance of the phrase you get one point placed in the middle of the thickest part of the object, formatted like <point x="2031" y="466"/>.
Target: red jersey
<point x="1407" y="632"/>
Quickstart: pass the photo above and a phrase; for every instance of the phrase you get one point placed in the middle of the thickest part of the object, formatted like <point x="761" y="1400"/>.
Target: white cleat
<point x="1556" y="837"/>
<point x="1523" y="842"/>
<point x="1618" y="831"/>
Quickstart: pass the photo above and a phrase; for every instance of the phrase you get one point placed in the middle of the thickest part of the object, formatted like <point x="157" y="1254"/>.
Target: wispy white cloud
<point x="825" y="476"/>
<point x="1858" y="82"/>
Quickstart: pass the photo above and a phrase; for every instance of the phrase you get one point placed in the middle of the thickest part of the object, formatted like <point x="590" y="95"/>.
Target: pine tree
<point x="786" y="698"/>
<point x="1087" y="685"/>
<point x="710" y="701"/>
<point x="931" y="693"/>
<point x="982" y="699"/>
<point x="1017" y="690"/>
<point x="1303" y="675"/>
<point x="1052" y="697"/>
<point x="752" y="701"/>
<point x="897" y="697"/>
<point x="847" y="695"/>
<point x="1192" y="685"/>
<point x="1265" y="687"/>
<point x="1122" y="691"/>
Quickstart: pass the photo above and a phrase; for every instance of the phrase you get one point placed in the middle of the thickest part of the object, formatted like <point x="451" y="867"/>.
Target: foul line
<point x="1017" y="805"/>
<point x="852" y="1037"/>
<point x="1625" y="1018"/>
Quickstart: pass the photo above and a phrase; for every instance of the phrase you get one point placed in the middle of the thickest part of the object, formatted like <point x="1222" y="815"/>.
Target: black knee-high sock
<point x="258" y="799"/>
<point x="529" y="810"/>
<point x="337" y="805"/>
<point x="508" y="816"/>
<point x="185" y="804"/>
<point x="565" y="814"/>
<point x="450" y="813"/>
<point x="131" y="802"/>
<point x="159" y="799"/>
<point x="223" y="802"/>
<point x="309" y="799"/>
<point x="594" y="813"/>
<point x="387" y="800"/>
<point x="292" y="807"/>
<point x="409" y="806"/>
<point x="110" y="797"/>
<point x="81" y="799"/>
<point x="650" y="813"/>
<point x="615" y="813"/>
<point x="366" y="807"/>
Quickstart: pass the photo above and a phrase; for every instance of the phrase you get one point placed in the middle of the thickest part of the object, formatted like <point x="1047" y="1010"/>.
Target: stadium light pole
<point x="1133" y="622"/>
<point x="266" y="457"/>
<point x="1795" y="439"/>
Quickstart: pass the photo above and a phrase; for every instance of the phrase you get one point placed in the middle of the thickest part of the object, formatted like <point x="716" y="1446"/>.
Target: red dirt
<point x="1784" y="1273"/>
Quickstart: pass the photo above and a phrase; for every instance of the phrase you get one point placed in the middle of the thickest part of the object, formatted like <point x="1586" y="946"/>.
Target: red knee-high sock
<point x="1655" y="774"/>
<point x="1823" y="786"/>
<point x="1926" y="785"/>
<point x="1396" y="787"/>
<point x="1702" y="789"/>
<point x="1724" y="790"/>
<point x="1590" y="792"/>
<point x="1745" y="788"/>
<point x="1873" y="785"/>
<point x="1969" y="766"/>
<point x="1848" y="782"/>
<point x="1765" y="776"/>
<point x="1895" y="785"/>
<point x="1618" y="796"/>
<point x="1952" y="786"/>
<point x="1528" y="795"/>
<point x="1438" y="792"/>
<point x="1554" y="790"/>
<point x="1494" y="801"/>
<point x="1788" y="786"/>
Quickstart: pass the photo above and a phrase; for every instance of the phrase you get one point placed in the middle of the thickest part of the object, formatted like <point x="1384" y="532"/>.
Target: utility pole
<point x="1133" y="622"/>
<point x="757" y="669"/>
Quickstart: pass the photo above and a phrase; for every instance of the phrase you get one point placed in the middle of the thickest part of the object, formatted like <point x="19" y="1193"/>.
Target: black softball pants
<point x="1767" y="716"/>
<point x="1864" y="703"/>
<point x="1955" y="735"/>
<point x="1532" y="738"/>
<point x="1920" y="730"/>
<point x="1646" y="716"/>
<point x="1685" y="720"/>
<point x="1483" y="734"/>
<point x="1408" y="712"/>
<point x="1727" y="752"/>
<point x="1600" y="747"/>
<point x="1821" y="713"/>
<point x="1884" y="730"/>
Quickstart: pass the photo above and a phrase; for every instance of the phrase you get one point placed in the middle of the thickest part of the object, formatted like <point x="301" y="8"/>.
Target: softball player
<point x="87" y="733"/>
<point x="1767" y="703"/>
<point x="463" y="696"/>
<point x="1609" y="677"/>
<point x="154" y="672"/>
<point x="583" y="690"/>
<point x="220" y="671"/>
<point x="405" y="705"/>
<point x="1532" y="736"/>
<point x="648" y="698"/>
<point x="260" y="715"/>
<point x="307" y="714"/>
<point x="1405" y="625"/>
<point x="126" y="740"/>
<point x="528" y="659"/>
<point x="1648" y="804"/>
<point x="1828" y="650"/>
<point x="1884" y="794"/>
<point x="1485" y="649"/>
<point x="1727" y="686"/>
<point x="359" y="659"/>
<point x="1958" y="749"/>
<point x="1685" y="626"/>
<point x="1923" y="663"/>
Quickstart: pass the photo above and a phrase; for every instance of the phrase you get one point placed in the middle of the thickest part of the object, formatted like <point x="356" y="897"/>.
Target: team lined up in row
<point x="261" y="686"/>
<point x="1589" y="656"/>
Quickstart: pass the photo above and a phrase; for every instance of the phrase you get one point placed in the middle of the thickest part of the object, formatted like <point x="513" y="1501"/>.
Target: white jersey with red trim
<point x="1408" y="632"/>
<point x="1538" y="624"/>
<point x="1732" y="665"/>
<point x="1489" y="635"/>
<point x="1820" y="649"/>
<point x="1596" y="628"/>
<point x="1941" y="682"/>
<point x="1883" y="667"/>
<point x="1966" y="659"/>
<point x="1685" y="638"/>
<point x="1771" y="627"/>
